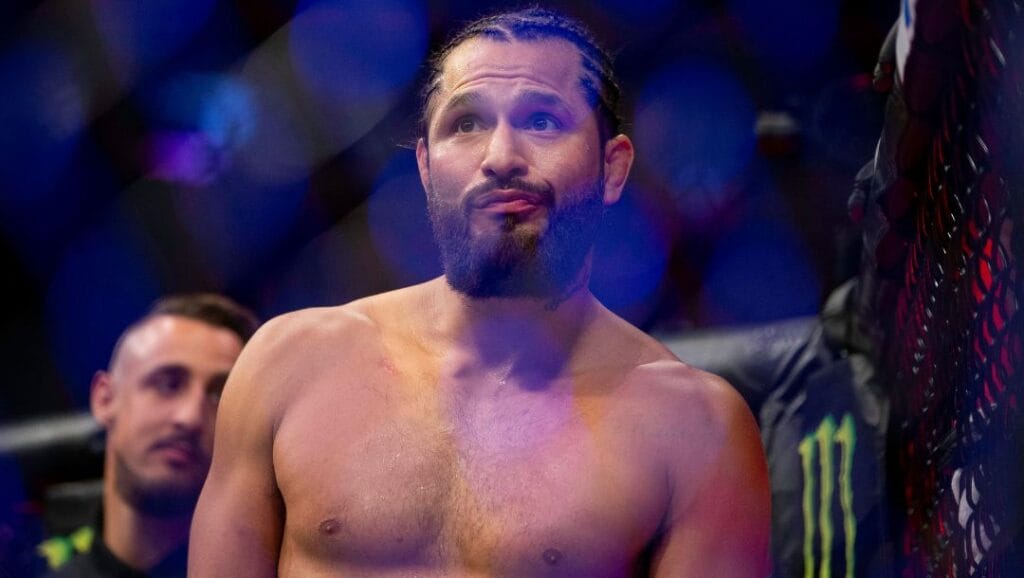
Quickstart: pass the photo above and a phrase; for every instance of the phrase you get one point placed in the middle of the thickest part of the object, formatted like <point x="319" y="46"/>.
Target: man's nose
<point x="504" y="158"/>
<point x="190" y="409"/>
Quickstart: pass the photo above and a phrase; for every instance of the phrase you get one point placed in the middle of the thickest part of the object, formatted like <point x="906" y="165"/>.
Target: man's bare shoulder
<point x="695" y="417"/>
<point x="317" y="323"/>
<point x="675" y="404"/>
<point x="686" y="390"/>
<point x="308" y="341"/>
<point x="659" y="376"/>
<point x="353" y="325"/>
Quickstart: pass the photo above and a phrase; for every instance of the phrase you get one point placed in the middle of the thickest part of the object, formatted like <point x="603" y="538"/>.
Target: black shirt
<point x="100" y="562"/>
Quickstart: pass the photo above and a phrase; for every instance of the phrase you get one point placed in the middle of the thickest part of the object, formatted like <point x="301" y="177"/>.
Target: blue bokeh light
<point x="228" y="116"/>
<point x="332" y="269"/>
<point x="695" y="133"/>
<point x="39" y="227"/>
<point x="354" y="52"/>
<point x="629" y="257"/>
<point x="214" y="118"/>
<point x="220" y="105"/>
<point x="649" y="12"/>
<point x="236" y="222"/>
<point x="43" y="112"/>
<point x="279" y="149"/>
<point x="758" y="274"/>
<point x="104" y="282"/>
<point x="399" y="224"/>
<point x="789" y="36"/>
<point x="141" y="35"/>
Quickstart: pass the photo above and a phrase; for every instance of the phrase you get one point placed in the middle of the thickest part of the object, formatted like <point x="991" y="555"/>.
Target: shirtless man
<point x="497" y="421"/>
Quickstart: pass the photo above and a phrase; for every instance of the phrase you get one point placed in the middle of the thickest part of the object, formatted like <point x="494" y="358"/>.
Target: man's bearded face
<point x="517" y="259"/>
<point x="514" y="169"/>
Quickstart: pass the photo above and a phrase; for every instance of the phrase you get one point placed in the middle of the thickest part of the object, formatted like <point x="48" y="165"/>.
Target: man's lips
<point x="507" y="201"/>
<point x="179" y="452"/>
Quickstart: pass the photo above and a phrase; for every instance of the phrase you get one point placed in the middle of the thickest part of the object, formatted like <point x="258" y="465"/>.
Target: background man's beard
<point x="156" y="499"/>
<point x="519" y="262"/>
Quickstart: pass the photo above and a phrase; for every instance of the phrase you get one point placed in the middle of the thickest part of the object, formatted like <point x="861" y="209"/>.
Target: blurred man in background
<point x="498" y="420"/>
<point x="157" y="402"/>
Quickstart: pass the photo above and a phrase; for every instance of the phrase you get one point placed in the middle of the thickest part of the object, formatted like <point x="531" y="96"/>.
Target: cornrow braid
<point x="598" y="82"/>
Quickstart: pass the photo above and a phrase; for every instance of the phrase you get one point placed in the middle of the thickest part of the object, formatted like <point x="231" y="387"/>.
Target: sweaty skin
<point x="425" y="433"/>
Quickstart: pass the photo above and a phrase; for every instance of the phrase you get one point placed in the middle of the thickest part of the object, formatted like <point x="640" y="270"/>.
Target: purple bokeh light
<point x="213" y="118"/>
<point x="181" y="157"/>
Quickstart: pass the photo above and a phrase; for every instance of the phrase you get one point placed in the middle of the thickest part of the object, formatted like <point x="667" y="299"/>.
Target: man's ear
<point x="423" y="163"/>
<point x="618" y="159"/>
<point x="101" y="398"/>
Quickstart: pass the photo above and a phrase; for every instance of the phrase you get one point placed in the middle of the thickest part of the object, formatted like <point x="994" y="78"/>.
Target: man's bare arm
<point x="720" y="520"/>
<point x="237" y="526"/>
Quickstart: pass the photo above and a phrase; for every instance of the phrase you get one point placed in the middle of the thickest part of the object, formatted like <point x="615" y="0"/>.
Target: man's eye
<point x="466" y="124"/>
<point x="168" y="381"/>
<point x="214" y="396"/>
<point x="215" y="388"/>
<point x="166" y="384"/>
<point x="542" y="123"/>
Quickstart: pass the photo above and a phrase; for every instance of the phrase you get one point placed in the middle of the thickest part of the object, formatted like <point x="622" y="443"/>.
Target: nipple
<point x="329" y="526"/>
<point x="552" y="556"/>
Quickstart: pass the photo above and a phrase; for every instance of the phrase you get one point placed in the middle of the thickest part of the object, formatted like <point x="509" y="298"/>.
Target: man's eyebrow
<point x="461" y="100"/>
<point x="527" y="97"/>
<point x="541" y="98"/>
<point x="168" y="368"/>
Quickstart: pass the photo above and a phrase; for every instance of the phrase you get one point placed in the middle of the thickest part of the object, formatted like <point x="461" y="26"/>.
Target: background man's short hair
<point x="598" y="81"/>
<point x="210" y="308"/>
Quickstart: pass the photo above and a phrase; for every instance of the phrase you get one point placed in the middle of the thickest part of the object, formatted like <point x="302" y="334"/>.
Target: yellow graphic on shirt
<point x="59" y="549"/>
<point x="821" y="445"/>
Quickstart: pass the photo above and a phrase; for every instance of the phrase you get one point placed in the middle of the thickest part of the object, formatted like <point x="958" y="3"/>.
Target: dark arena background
<point x="861" y="293"/>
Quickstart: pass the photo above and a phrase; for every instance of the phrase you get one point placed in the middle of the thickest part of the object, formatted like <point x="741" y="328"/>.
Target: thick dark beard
<point x="518" y="262"/>
<point x="159" y="500"/>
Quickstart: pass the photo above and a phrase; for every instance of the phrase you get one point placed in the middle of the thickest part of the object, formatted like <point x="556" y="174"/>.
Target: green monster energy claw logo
<point x="821" y="444"/>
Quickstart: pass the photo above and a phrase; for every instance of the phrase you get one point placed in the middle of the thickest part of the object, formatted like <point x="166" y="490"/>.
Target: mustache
<point x="491" y="185"/>
<point x="189" y="442"/>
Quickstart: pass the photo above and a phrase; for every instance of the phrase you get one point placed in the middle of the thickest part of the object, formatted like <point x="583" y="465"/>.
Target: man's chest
<point x="514" y="488"/>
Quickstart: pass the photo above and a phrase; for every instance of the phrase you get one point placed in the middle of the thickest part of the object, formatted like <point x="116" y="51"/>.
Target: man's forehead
<point x="552" y="62"/>
<point x="154" y="332"/>
<point x="162" y="335"/>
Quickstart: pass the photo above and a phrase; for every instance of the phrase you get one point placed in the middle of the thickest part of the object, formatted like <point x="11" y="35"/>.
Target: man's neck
<point x="521" y="336"/>
<point x="139" y="540"/>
